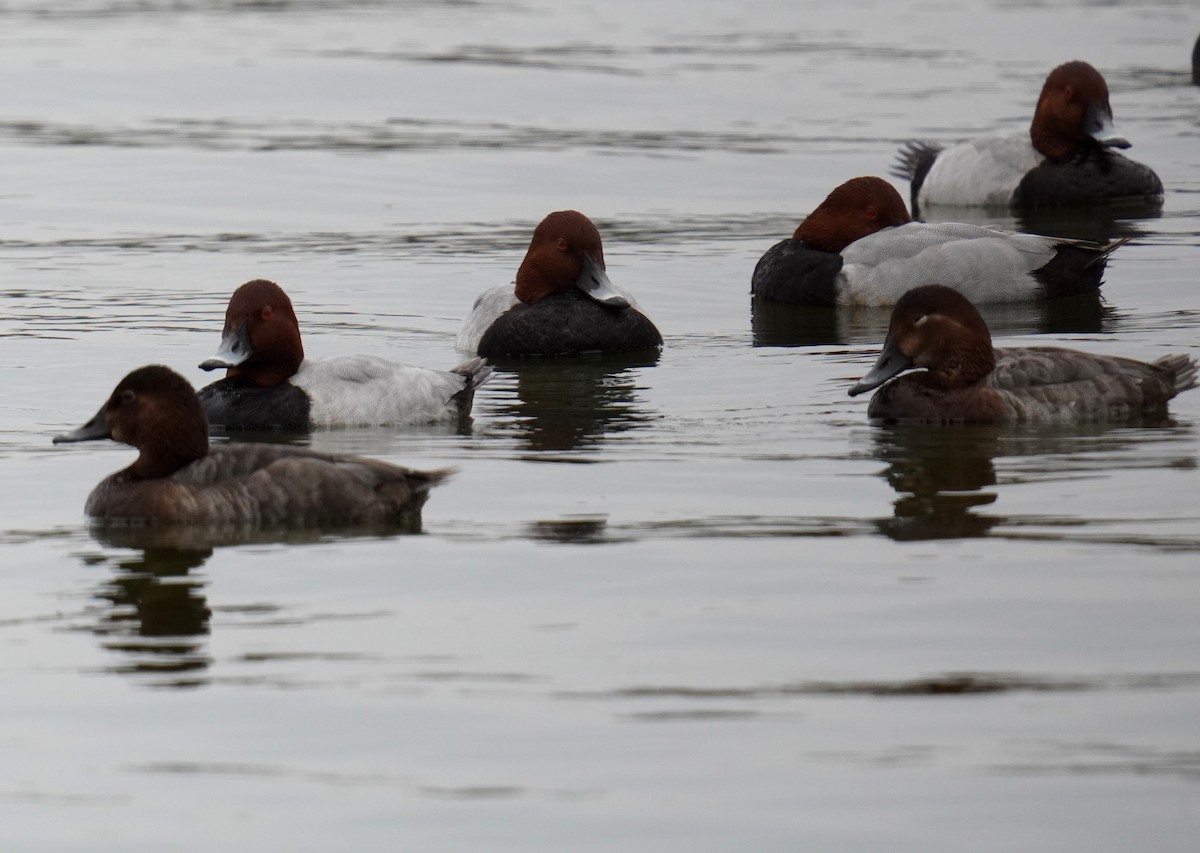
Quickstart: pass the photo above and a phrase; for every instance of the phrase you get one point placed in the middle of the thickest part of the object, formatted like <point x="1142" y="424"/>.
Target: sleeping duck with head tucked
<point x="963" y="379"/>
<point x="563" y="302"/>
<point x="178" y="479"/>
<point x="860" y="247"/>
<point x="1067" y="156"/>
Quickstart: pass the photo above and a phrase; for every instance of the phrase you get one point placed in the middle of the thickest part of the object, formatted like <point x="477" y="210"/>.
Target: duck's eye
<point x="562" y="244"/>
<point x="871" y="212"/>
<point x="127" y="396"/>
<point x="266" y="312"/>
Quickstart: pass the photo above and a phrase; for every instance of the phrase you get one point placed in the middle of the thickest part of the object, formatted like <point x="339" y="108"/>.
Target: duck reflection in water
<point x="941" y="476"/>
<point x="153" y="611"/>
<point x="154" y="614"/>
<point x="571" y="403"/>
<point x="776" y="325"/>
<point x="945" y="476"/>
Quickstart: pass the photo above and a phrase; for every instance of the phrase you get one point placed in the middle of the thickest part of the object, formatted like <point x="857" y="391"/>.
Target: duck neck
<point x="274" y="361"/>
<point x="1054" y="142"/>
<point x="532" y="284"/>
<point x="964" y="365"/>
<point x="172" y="449"/>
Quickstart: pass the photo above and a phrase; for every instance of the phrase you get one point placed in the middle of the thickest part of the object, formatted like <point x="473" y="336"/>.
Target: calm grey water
<point x="694" y="604"/>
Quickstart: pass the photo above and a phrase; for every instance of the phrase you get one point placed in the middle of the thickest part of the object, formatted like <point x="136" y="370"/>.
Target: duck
<point x="965" y="380"/>
<point x="270" y="385"/>
<point x="860" y="247"/>
<point x="1067" y="157"/>
<point x="178" y="479"/>
<point x="563" y="302"/>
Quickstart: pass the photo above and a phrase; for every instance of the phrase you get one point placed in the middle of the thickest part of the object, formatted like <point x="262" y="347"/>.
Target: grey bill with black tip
<point x="890" y="362"/>
<point x="234" y="349"/>
<point x="593" y="281"/>
<point x="93" y="430"/>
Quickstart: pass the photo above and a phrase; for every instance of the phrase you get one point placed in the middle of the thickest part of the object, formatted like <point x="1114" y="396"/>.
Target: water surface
<point x="691" y="603"/>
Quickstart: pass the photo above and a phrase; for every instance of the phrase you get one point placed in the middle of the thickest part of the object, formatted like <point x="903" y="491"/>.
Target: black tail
<point x="913" y="162"/>
<point x="1077" y="267"/>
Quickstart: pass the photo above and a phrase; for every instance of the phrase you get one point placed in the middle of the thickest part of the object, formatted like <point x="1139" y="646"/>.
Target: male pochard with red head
<point x="860" y="247"/>
<point x="178" y="479"/>
<point x="562" y="303"/>
<point x="960" y="378"/>
<point x="269" y="384"/>
<point x="1065" y="158"/>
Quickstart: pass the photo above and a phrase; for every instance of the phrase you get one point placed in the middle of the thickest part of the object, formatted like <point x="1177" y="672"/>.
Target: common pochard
<point x="562" y="303"/>
<point x="178" y="479"/>
<point x="860" y="247"/>
<point x="966" y="380"/>
<point x="269" y="384"/>
<point x="1065" y="158"/>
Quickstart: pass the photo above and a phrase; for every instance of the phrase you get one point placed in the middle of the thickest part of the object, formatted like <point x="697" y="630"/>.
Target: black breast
<point x="232" y="404"/>
<point x="1098" y="175"/>
<point x="794" y="273"/>
<point x="567" y="323"/>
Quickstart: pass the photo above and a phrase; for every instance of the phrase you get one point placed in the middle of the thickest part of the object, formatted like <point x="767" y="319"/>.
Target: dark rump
<point x="1074" y="269"/>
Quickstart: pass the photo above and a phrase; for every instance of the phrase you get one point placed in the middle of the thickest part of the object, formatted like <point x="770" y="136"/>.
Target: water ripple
<point x="1104" y="759"/>
<point x="703" y="52"/>
<point x="406" y="135"/>
<point x="423" y="239"/>
<point x="944" y="684"/>
<point x="59" y="10"/>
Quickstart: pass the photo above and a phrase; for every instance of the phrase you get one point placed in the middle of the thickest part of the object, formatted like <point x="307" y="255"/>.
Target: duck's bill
<point x="234" y="349"/>
<point x="93" y="430"/>
<point x="1103" y="131"/>
<point x="593" y="281"/>
<point x="890" y="363"/>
